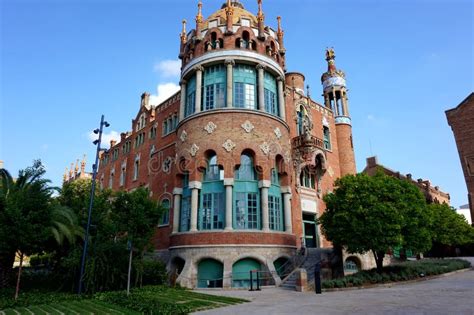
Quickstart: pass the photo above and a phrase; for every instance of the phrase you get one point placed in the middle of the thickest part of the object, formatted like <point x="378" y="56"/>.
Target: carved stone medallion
<point x="248" y="126"/>
<point x="194" y="149"/>
<point x="229" y="145"/>
<point x="210" y="127"/>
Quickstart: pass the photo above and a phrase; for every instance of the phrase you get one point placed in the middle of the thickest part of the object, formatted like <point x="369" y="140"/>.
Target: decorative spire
<point x="71" y="171"/>
<point x="229" y="12"/>
<point x="83" y="165"/>
<point x="330" y="58"/>
<point x="76" y="168"/>
<point x="261" y="20"/>
<point x="280" y="34"/>
<point x="65" y="175"/>
<point x="183" y="33"/>
<point x="199" y="20"/>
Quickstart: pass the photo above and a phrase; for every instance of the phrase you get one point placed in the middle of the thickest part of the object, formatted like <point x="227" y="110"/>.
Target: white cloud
<point x="164" y="91"/>
<point x="106" y="138"/>
<point x="168" y="68"/>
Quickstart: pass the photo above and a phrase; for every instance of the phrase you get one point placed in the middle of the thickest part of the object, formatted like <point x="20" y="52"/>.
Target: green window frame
<point x="190" y="106"/>
<point x="326" y="138"/>
<point x="275" y="208"/>
<point x="212" y="205"/>
<point x="165" y="217"/>
<point x="270" y="94"/>
<point x="185" y="211"/>
<point x="247" y="212"/>
<point x="214" y="87"/>
<point x="245" y="82"/>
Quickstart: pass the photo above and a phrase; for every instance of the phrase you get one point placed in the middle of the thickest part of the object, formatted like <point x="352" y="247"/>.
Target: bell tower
<point x="335" y="98"/>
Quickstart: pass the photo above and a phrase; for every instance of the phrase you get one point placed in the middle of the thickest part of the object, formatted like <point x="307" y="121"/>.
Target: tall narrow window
<point x="299" y="121"/>
<point x="122" y="176"/>
<point x="165" y="217"/>
<point x="270" y="94"/>
<point x="245" y="81"/>
<point x="185" y="214"/>
<point x="214" y="87"/>
<point x="308" y="178"/>
<point x="135" y="169"/>
<point x="274" y="203"/>
<point x="327" y="138"/>
<point x="190" y="96"/>
<point x="246" y="196"/>
<point x="111" y="180"/>
<point x="211" y="214"/>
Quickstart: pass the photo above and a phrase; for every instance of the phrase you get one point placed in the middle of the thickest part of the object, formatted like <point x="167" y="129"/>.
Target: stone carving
<point x="229" y="145"/>
<point x="210" y="127"/>
<point x="183" y="136"/>
<point x="265" y="148"/>
<point x="167" y="165"/>
<point x="248" y="126"/>
<point x="277" y="132"/>
<point x="194" y="149"/>
<point x="325" y="122"/>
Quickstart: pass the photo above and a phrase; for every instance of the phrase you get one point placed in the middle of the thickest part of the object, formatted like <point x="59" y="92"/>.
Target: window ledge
<point x="163" y="225"/>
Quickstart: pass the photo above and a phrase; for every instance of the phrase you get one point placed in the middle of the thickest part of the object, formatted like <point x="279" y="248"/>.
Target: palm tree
<point x="25" y="216"/>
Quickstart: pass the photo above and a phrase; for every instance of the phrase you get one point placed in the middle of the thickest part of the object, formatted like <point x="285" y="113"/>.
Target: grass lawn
<point x="147" y="300"/>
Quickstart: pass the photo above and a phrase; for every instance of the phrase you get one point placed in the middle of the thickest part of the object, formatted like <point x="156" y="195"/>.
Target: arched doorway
<point x="241" y="272"/>
<point x="210" y="273"/>
<point x="281" y="266"/>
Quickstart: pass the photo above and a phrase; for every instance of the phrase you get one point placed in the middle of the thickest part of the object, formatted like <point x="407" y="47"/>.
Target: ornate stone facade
<point x="250" y="152"/>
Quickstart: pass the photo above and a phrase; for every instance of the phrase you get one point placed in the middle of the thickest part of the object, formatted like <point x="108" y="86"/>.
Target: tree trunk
<point x="379" y="255"/>
<point x="17" y="290"/>
<point x="337" y="265"/>
<point x="129" y="270"/>
<point x="6" y="266"/>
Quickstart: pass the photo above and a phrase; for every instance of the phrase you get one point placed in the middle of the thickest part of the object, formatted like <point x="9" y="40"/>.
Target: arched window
<point x="326" y="138"/>
<point x="185" y="214"/>
<point x="275" y="208"/>
<point x="210" y="273"/>
<point x="241" y="272"/>
<point x="270" y="94"/>
<point x="245" y="82"/>
<point x="246" y="196"/>
<point x="214" y="87"/>
<point x="308" y="178"/>
<point x="165" y="216"/>
<point x="211" y="213"/>
<point x="190" y="96"/>
<point x="245" y="39"/>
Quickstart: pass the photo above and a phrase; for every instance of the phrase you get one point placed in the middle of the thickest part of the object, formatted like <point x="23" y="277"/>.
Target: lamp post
<point x="91" y="203"/>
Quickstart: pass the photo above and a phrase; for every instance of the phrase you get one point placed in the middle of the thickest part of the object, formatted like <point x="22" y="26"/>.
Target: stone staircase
<point x="289" y="283"/>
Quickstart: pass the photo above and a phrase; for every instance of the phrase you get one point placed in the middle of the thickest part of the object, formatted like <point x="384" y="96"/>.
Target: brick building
<point x="241" y="156"/>
<point x="461" y="120"/>
<point x="432" y="194"/>
<point x="75" y="172"/>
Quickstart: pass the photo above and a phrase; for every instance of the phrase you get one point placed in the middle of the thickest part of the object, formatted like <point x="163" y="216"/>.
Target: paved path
<point x="449" y="295"/>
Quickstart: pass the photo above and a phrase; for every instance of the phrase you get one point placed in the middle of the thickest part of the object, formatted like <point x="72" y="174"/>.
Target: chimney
<point x="145" y="100"/>
<point x="112" y="143"/>
<point x="372" y="162"/>
<point x="409" y="176"/>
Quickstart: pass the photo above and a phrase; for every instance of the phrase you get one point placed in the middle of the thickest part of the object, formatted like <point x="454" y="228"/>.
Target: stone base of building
<point x="183" y="263"/>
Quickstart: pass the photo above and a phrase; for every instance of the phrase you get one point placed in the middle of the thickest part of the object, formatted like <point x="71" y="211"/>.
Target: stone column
<point x="281" y="98"/>
<point x="345" y="103"/>
<point x="199" y="70"/>
<point x="177" y="192"/>
<point x="194" y="186"/>
<point x="230" y="81"/>
<point x="264" y="185"/>
<point x="286" y="191"/>
<point x="336" y="108"/>
<point x="182" y="104"/>
<point x="228" y="183"/>
<point x="261" y="86"/>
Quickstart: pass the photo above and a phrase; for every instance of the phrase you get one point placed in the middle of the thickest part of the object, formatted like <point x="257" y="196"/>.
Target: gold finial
<point x="183" y="33"/>
<point x="199" y="15"/>
<point x="330" y="54"/>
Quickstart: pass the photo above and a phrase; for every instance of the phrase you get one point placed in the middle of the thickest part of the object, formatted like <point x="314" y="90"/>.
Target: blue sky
<point x="65" y="62"/>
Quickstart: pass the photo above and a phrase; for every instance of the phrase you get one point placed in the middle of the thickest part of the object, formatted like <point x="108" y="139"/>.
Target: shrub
<point x="400" y="272"/>
<point x="154" y="272"/>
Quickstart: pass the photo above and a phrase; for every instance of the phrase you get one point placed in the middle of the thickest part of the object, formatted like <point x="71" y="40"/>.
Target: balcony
<point x="307" y="143"/>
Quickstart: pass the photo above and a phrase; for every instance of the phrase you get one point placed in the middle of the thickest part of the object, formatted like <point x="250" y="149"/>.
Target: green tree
<point x="25" y="216"/>
<point x="376" y="213"/>
<point x="136" y="216"/>
<point x="449" y="228"/>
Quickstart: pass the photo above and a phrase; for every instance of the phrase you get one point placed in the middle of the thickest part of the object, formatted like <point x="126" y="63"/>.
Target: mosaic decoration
<point x="277" y="132"/>
<point x="248" y="127"/>
<point x="210" y="127"/>
<point x="194" y="150"/>
<point x="265" y="148"/>
<point x="183" y="136"/>
<point x="229" y="145"/>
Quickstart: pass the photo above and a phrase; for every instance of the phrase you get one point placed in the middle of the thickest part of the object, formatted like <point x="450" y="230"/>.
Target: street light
<point x="103" y="124"/>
